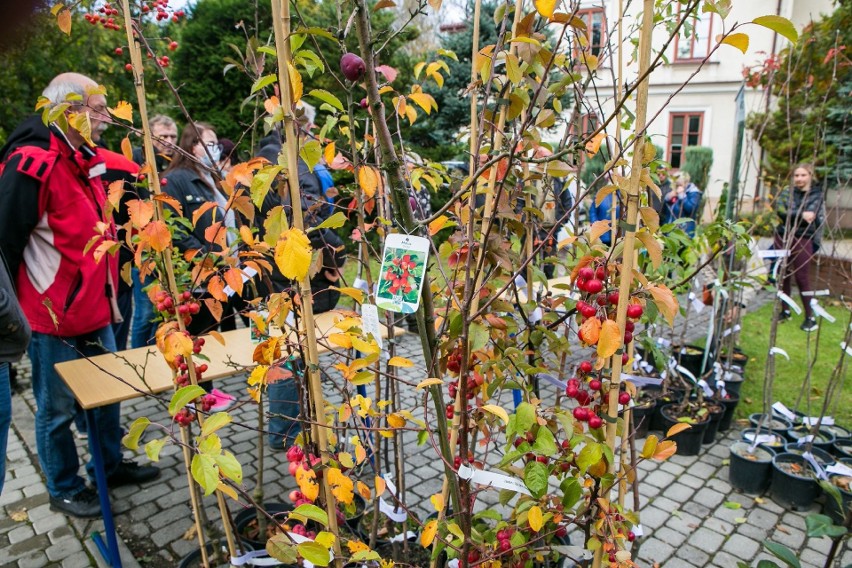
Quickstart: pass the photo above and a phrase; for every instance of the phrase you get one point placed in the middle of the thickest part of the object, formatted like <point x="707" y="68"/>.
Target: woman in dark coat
<point x="801" y="210"/>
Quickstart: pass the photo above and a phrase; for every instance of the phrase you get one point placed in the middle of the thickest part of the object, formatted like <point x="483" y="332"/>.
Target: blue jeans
<point x="124" y="299"/>
<point x="142" y="328"/>
<point x="5" y="417"/>
<point x="283" y="399"/>
<point x="56" y="409"/>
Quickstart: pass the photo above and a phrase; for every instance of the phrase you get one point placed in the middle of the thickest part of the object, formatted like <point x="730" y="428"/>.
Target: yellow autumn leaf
<point x="740" y="41"/>
<point x="123" y="110"/>
<point x="329" y="152"/>
<point x="535" y="518"/>
<point x="665" y="301"/>
<point x="430" y="530"/>
<point x="364" y="491"/>
<point x="345" y="459"/>
<point x="365" y="346"/>
<point x="497" y="411"/>
<point x="342" y="487"/>
<point x="306" y="479"/>
<point x="368" y="180"/>
<point x="610" y="339"/>
<point x="395" y="420"/>
<point x="593" y="145"/>
<point x="341" y="340"/>
<point x="652" y="245"/>
<point x="429" y="382"/>
<point x="591" y="331"/>
<point x="176" y="343"/>
<point x="400" y="362"/>
<point x="677" y="429"/>
<point x="597" y="229"/>
<point x="665" y="450"/>
<point x="293" y="254"/>
<point x="295" y="83"/>
<point x="126" y="148"/>
<point x="63" y="20"/>
<point x="257" y="375"/>
<point x="380" y="485"/>
<point x="360" y="454"/>
<point x="438" y="224"/>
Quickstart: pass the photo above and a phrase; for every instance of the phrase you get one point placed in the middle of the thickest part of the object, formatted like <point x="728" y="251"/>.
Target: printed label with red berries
<point x="403" y="271"/>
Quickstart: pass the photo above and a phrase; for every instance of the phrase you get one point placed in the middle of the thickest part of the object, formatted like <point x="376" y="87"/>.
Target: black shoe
<point x="129" y="472"/>
<point x="84" y="504"/>
<point x="785" y="315"/>
<point x="809" y="325"/>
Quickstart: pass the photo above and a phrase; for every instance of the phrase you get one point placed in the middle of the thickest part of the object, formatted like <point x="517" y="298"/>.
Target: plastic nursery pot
<point x="775" y="423"/>
<point x="842" y="448"/>
<point x="793" y="482"/>
<point x="193" y="559"/>
<point x="691" y="357"/>
<point x="716" y="413"/>
<point x="823" y="439"/>
<point x="734" y="384"/>
<point x="730" y="403"/>
<point x="670" y="396"/>
<point x="246" y="522"/>
<point x="840" y="433"/>
<point x="554" y="559"/>
<point x="768" y="440"/>
<point x="642" y="415"/>
<point x="822" y="457"/>
<point x="750" y="471"/>
<point x="382" y="537"/>
<point x="832" y="507"/>
<point x="689" y="441"/>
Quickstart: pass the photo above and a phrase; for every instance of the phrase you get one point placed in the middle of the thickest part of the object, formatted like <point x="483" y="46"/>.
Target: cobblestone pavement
<point x="683" y="511"/>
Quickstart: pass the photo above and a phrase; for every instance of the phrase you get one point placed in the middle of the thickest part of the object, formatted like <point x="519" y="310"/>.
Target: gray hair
<point x="161" y="119"/>
<point x="58" y="91"/>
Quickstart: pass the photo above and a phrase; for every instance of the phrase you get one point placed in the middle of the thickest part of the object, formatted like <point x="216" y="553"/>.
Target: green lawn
<point x="790" y="375"/>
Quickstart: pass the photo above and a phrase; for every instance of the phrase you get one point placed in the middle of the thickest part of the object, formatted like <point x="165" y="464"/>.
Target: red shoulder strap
<point x="35" y="162"/>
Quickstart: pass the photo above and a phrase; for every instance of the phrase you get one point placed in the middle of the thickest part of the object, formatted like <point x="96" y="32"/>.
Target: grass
<point x="790" y="375"/>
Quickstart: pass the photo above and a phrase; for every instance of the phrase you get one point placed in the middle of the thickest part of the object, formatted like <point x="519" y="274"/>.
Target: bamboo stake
<point x="154" y="185"/>
<point x="630" y="230"/>
<point x="281" y="25"/>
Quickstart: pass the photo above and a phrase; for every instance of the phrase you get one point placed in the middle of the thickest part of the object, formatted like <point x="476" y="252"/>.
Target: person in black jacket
<point x="14" y="339"/>
<point x="801" y="210"/>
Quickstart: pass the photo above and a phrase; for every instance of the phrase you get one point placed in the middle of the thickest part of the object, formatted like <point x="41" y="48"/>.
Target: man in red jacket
<point x="51" y="198"/>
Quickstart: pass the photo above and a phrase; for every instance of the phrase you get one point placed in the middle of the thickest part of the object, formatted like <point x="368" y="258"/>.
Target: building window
<point x="684" y="130"/>
<point x="696" y="45"/>
<point x="595" y="21"/>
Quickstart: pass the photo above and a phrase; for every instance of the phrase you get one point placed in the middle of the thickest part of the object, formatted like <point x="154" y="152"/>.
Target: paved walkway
<point x="683" y="511"/>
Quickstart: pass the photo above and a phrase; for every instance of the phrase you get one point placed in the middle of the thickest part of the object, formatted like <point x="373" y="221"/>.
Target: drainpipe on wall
<point x="758" y="184"/>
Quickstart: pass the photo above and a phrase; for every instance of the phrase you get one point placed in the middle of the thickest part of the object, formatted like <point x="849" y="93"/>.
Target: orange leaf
<point x="216" y="287"/>
<point x="329" y="152"/>
<point x="201" y="211"/>
<point x="157" y="235"/>
<point x="216" y="234"/>
<point x="341" y="486"/>
<point x="665" y="450"/>
<point x="306" y="479"/>
<point x="591" y="330"/>
<point x="665" y="301"/>
<point x="610" y="339"/>
<point x="63" y="20"/>
<point x="380" y="485"/>
<point x="116" y="192"/>
<point x="234" y="278"/>
<point x="364" y="491"/>
<point x="126" y="148"/>
<point x="593" y="145"/>
<point x="677" y="429"/>
<point x="271" y="104"/>
<point x="368" y="180"/>
<point x="267" y="352"/>
<point x="176" y="343"/>
<point x="598" y="228"/>
<point x="213" y="333"/>
<point x="170" y="201"/>
<point x="140" y="212"/>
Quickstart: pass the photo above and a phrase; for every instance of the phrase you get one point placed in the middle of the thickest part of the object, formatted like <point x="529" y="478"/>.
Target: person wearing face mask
<point x="189" y="180"/>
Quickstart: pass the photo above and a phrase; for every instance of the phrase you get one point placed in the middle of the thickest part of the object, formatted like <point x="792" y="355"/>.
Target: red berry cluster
<point x="585" y="391"/>
<point x="185" y="417"/>
<point x="300" y="529"/>
<point x="601" y="304"/>
<point x="160" y="7"/>
<point x="184" y="305"/>
<point x="504" y="548"/>
<point x="296" y="457"/>
<point x="563" y="462"/>
<point x="182" y="378"/>
<point x="104" y="17"/>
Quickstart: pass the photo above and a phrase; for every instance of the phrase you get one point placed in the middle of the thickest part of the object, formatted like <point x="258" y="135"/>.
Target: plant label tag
<point x="790" y="302"/>
<point x="846" y="348"/>
<point x="780" y="351"/>
<point x="535" y="316"/>
<point x="370" y="322"/>
<point x="684" y="371"/>
<point x="839" y="468"/>
<point x="362" y="285"/>
<point x="637" y="530"/>
<point x="493" y="480"/>
<point x="818" y="310"/>
<point x="783" y="410"/>
<point x="392" y="513"/>
<point x="825" y="292"/>
<point x="773" y="253"/>
<point x="553" y="380"/>
<point x="812" y="420"/>
<point x="642" y="381"/>
<point x="404" y="263"/>
<point x="731" y="330"/>
<point x="708" y="392"/>
<point x="820" y="473"/>
<point x="247" y="273"/>
<point x="697" y="304"/>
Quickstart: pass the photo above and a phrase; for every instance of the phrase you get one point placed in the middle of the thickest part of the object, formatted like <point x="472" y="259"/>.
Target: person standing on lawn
<point x="51" y="199"/>
<point x="801" y="210"/>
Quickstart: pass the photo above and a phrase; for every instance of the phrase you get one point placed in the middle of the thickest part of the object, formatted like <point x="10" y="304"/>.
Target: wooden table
<point x="107" y="379"/>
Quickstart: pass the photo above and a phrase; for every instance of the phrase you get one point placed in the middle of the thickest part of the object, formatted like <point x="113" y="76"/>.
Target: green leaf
<point x="525" y="417"/>
<point x="334" y="222"/>
<point x="315" y="553"/>
<point x="281" y="548"/>
<point x="131" y="439"/>
<point x="479" y="335"/>
<point x="214" y="422"/>
<point x="761" y="564"/>
<point x="833" y="492"/>
<point x="535" y="478"/>
<point x="545" y="443"/>
<point x="364" y="555"/>
<point x="184" y="396"/>
<point x="822" y="525"/>
<point x="311" y="152"/>
<point x="589" y="455"/>
<point x="264" y="81"/>
<point x="327" y="97"/>
<point x="261" y="183"/>
<point x="230" y="467"/>
<point x="511" y="457"/>
<point x="310" y="512"/>
<point x="205" y="472"/>
<point x="778" y="24"/>
<point x="210" y="445"/>
<point x="152" y="449"/>
<point x="733" y="505"/>
<point x="782" y="553"/>
<point x="571" y="491"/>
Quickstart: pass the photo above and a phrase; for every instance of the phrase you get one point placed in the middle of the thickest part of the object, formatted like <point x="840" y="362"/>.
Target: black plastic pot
<point x="734" y="384"/>
<point x="776" y="446"/>
<point x="656" y="423"/>
<point x="771" y="422"/>
<point x="730" y="405"/>
<point x="750" y="475"/>
<point x="832" y="508"/>
<point x="692" y="358"/>
<point x="689" y="441"/>
<point x="822" y="457"/>
<point x="193" y="559"/>
<point x="363" y="528"/>
<point x="842" y="448"/>
<point x="790" y="490"/>
<point x="246" y="516"/>
<point x="716" y="414"/>
<point x="823" y="440"/>
<point x="642" y="416"/>
<point x="840" y="433"/>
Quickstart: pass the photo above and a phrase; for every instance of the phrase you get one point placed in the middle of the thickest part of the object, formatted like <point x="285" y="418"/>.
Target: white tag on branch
<point x="720" y="386"/>
<point x="536" y="316"/>
<point x="686" y="372"/>
<point x="454" y="563"/>
<point x="820" y="311"/>
<point x="520" y="281"/>
<point x="839" y="468"/>
<point x="553" y="380"/>
<point x="820" y="473"/>
<point x="846" y="348"/>
<point x="773" y="253"/>
<point x="812" y="420"/>
<point x="780" y="351"/>
<point x="642" y="381"/>
<point x="362" y="285"/>
<point x="493" y="480"/>
<point x="397" y="515"/>
<point x="811" y="293"/>
<point x="637" y="530"/>
<point x="789" y="301"/>
<point x="731" y="330"/>
<point x="370" y="322"/>
<point x="779" y="408"/>
<point x="255" y="558"/>
<point x="705" y="387"/>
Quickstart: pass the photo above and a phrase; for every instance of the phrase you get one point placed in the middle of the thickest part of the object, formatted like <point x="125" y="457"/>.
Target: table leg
<point x="111" y="555"/>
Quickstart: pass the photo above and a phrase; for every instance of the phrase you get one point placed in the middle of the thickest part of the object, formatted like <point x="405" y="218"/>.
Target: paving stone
<point x="678" y="492"/>
<point x="744" y="548"/>
<point x="666" y="504"/>
<point x="690" y="481"/>
<point x="36" y="559"/>
<point x="724" y="560"/>
<point x="9" y="497"/>
<point x="692" y="555"/>
<point x="653" y="518"/>
<point x="40" y="512"/>
<point x="709" y="498"/>
<point x="47" y="524"/>
<point x="79" y="560"/>
<point x="669" y="536"/>
<point x="59" y="533"/>
<point x="719" y="485"/>
<point x="822" y="545"/>
<point x="20" y="533"/>
<point x="789" y="537"/>
<point x="35" y="489"/>
<point x="701" y="470"/>
<point x="63" y="548"/>
<point x="696" y="509"/>
<point x="659" y="479"/>
<point x="706" y="540"/>
<point x="813" y="557"/>
<point x="684" y="523"/>
<point x="672" y="468"/>
<point x="655" y="550"/>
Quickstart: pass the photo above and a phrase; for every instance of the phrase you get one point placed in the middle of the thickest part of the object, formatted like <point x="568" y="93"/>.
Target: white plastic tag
<point x="684" y="371"/>
<point x="790" y="302"/>
<point x="247" y="273"/>
<point x="846" y="348"/>
<point x="812" y="293"/>
<point x="804" y="440"/>
<point x="393" y="514"/>
<point x="493" y="479"/>
<point x="820" y="473"/>
<point x="812" y="420"/>
<point x="520" y="281"/>
<point x="362" y="285"/>
<point x="762" y="439"/>
<point x="779" y="408"/>
<point x="642" y="381"/>
<point x="255" y="558"/>
<point x="637" y="530"/>
<point x="780" y="351"/>
<point x="706" y="388"/>
<point x="731" y="330"/>
<point x="553" y="380"/>
<point x="773" y="253"/>
<point x="370" y="322"/>
<point x="818" y="310"/>
<point x="536" y="316"/>
<point x="839" y="468"/>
